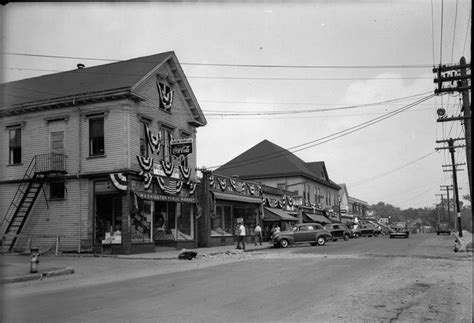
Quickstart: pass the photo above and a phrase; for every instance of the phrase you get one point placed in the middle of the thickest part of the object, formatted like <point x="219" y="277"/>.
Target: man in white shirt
<point x="241" y="237"/>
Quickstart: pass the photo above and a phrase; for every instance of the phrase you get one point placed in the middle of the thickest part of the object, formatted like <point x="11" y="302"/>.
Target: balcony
<point x="50" y="163"/>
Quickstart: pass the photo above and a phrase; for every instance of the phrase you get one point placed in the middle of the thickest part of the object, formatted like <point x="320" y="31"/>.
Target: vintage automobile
<point x="312" y="233"/>
<point x="338" y="230"/>
<point x="443" y="227"/>
<point x="399" y="229"/>
<point x="365" y="230"/>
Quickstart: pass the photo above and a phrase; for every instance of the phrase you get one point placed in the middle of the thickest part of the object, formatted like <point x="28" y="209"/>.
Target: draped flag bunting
<point x="147" y="179"/>
<point x="168" y="167"/>
<point x="119" y="180"/>
<point x="279" y="204"/>
<point x="252" y="189"/>
<point x="222" y="183"/>
<point x="185" y="171"/>
<point x="290" y="201"/>
<point x="153" y="141"/>
<point x="264" y="201"/>
<point x="211" y="180"/>
<point x="146" y="163"/>
<point x="166" y="95"/>
<point x="192" y="187"/>
<point x="233" y="184"/>
<point x="170" y="186"/>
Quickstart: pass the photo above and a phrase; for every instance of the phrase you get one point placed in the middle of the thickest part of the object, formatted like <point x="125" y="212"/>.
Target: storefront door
<point x="108" y="216"/>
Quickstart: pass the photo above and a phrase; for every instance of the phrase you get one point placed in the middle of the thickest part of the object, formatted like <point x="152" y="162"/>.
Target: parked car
<point x="443" y="227"/>
<point x="312" y="233"/>
<point x="399" y="229"/>
<point x="365" y="230"/>
<point x="338" y="230"/>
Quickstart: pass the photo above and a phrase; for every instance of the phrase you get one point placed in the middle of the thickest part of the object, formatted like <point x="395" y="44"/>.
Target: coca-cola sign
<point x="181" y="147"/>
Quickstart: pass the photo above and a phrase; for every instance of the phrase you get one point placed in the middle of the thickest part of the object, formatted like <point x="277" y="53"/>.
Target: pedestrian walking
<point x="258" y="234"/>
<point x="241" y="237"/>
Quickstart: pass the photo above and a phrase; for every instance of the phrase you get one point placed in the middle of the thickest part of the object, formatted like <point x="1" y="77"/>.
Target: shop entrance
<point x="108" y="216"/>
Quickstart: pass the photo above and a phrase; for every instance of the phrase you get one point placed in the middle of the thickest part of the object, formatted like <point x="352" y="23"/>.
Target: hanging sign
<point x="181" y="147"/>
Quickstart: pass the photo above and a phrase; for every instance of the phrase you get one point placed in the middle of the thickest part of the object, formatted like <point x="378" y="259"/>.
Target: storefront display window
<point x="173" y="221"/>
<point x="249" y="216"/>
<point x="141" y="221"/>
<point x="222" y="224"/>
<point x="108" y="220"/>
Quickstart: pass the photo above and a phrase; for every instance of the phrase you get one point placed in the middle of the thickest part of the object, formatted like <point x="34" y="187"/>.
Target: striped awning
<point x="237" y="198"/>
<point x="310" y="217"/>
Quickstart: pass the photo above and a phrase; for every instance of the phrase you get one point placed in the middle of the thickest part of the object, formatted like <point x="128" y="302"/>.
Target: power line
<point x="235" y="65"/>
<point x="325" y="139"/>
<point x="441" y="38"/>
<point x="364" y="181"/>
<point x="454" y="30"/>
<point x="251" y="113"/>
<point x="467" y="32"/>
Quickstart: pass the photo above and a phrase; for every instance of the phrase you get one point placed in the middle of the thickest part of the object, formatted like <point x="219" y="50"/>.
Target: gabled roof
<point x="344" y="188"/>
<point x="268" y="160"/>
<point x="120" y="77"/>
<point x="319" y="169"/>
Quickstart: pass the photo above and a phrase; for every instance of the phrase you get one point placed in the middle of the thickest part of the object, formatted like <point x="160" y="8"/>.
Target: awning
<point x="272" y="214"/>
<point x="316" y="218"/>
<point x="237" y="198"/>
<point x="347" y="221"/>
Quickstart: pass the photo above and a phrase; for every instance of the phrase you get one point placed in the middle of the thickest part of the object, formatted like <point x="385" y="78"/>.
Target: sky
<point x="313" y="77"/>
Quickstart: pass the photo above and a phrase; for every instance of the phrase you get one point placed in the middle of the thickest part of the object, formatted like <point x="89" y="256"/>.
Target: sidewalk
<point x="16" y="267"/>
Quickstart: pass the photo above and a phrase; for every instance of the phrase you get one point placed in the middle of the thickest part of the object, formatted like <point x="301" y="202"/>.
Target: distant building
<point x="269" y="164"/>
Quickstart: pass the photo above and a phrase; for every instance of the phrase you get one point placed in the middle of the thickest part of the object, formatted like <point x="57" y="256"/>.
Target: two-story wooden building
<point x="102" y="158"/>
<point x="269" y="164"/>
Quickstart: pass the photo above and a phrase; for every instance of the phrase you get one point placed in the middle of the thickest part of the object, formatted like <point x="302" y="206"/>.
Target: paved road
<point x="366" y="279"/>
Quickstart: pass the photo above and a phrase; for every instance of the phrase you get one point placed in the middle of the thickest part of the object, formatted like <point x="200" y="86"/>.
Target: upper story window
<point x="144" y="149"/>
<point x="166" y="136"/>
<point x="14" y="146"/>
<point x="96" y="136"/>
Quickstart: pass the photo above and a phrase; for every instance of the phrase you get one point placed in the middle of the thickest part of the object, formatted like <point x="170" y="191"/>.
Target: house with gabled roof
<point x="100" y="158"/>
<point x="269" y="164"/>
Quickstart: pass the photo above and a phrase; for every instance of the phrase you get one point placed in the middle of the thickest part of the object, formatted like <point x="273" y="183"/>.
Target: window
<point x="57" y="142"/>
<point x="222" y="224"/>
<point x="56" y="190"/>
<point x="166" y="136"/>
<point x="15" y="146"/>
<point x="144" y="149"/>
<point x="96" y="136"/>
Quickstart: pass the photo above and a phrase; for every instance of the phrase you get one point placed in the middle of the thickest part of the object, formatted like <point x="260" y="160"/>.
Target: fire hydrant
<point x="34" y="260"/>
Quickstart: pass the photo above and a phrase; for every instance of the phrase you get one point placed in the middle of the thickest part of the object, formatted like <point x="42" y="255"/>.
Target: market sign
<point x="181" y="147"/>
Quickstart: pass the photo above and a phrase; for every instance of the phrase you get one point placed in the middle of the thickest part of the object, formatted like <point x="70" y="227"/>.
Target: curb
<point x="53" y="273"/>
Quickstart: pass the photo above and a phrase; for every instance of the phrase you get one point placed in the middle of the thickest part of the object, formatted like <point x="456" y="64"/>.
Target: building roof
<point x="355" y="200"/>
<point x="268" y="160"/>
<point x="119" y="76"/>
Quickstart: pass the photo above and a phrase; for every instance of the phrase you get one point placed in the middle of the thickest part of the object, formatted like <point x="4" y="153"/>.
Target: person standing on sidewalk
<point x="241" y="237"/>
<point x="258" y="233"/>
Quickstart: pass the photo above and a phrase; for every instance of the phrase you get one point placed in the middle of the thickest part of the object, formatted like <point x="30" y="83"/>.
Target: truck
<point x="443" y="227"/>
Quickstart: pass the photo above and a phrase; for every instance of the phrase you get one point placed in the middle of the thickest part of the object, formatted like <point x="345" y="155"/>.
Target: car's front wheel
<point x="284" y="243"/>
<point x="321" y="241"/>
<point x="346" y="237"/>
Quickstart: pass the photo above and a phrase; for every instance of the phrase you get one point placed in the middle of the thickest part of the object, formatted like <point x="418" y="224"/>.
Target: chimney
<point x="80" y="66"/>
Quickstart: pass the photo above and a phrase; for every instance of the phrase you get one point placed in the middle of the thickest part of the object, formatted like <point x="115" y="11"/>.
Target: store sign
<point x="181" y="147"/>
<point x="158" y="171"/>
<point x="158" y="197"/>
<point x="298" y="201"/>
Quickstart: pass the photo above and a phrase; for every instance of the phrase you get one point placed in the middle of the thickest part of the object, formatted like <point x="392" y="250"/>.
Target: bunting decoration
<point x="192" y="187"/>
<point x="179" y="186"/>
<point x="166" y="95"/>
<point x="170" y="186"/>
<point x="119" y="180"/>
<point x="222" y="183"/>
<point x="146" y="163"/>
<point x="233" y="184"/>
<point x="211" y="180"/>
<point x="147" y="179"/>
<point x="279" y="204"/>
<point x="252" y="189"/>
<point x="290" y="201"/>
<point x="153" y="141"/>
<point x="168" y="167"/>
<point x="185" y="171"/>
<point x="264" y="201"/>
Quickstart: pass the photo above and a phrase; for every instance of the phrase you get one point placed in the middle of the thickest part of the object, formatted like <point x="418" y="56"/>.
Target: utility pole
<point x="449" y="187"/>
<point x="459" y="75"/>
<point x="442" y="205"/>
<point x="455" y="183"/>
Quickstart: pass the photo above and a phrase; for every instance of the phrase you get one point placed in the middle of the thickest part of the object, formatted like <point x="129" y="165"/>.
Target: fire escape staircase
<point x="39" y="170"/>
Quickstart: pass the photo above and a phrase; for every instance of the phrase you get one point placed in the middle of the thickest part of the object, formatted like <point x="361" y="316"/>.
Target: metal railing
<point x="51" y="162"/>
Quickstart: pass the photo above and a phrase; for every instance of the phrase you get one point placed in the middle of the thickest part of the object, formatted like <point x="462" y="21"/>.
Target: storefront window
<point x="222" y="224"/>
<point x="185" y="222"/>
<point x="173" y="221"/>
<point x="249" y="215"/>
<point x="141" y="222"/>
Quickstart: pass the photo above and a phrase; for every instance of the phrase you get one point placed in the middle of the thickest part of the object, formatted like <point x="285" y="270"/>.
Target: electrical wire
<point x="441" y="37"/>
<point x="467" y="32"/>
<point x="236" y="65"/>
<point x="454" y="30"/>
<point x="324" y="139"/>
